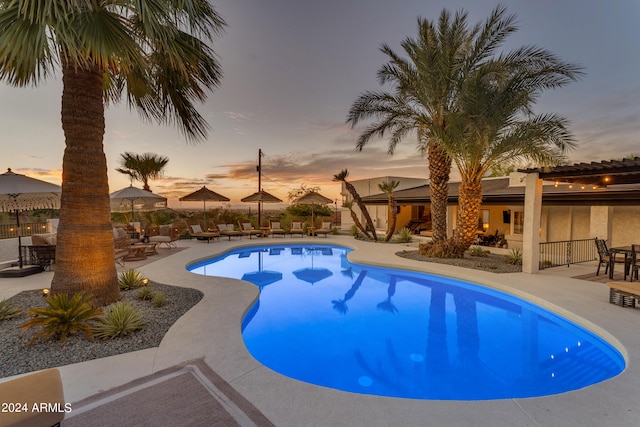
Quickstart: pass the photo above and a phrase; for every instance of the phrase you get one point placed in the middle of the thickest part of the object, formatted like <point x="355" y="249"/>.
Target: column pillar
<point x="531" y="232"/>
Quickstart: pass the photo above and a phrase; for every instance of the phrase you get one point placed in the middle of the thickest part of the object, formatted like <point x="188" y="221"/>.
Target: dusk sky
<point x="292" y="69"/>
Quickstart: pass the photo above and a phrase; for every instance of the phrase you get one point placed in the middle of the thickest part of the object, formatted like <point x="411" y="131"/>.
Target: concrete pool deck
<point x="211" y="330"/>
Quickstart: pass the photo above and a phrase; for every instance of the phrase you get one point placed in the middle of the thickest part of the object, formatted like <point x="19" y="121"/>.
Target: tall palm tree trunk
<point x="469" y="202"/>
<point x="85" y="251"/>
<point x="356" y="197"/>
<point x="393" y="209"/>
<point x="357" y="222"/>
<point x="439" y="169"/>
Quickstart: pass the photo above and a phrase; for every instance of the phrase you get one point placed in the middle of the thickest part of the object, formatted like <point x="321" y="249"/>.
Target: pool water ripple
<point x="373" y="330"/>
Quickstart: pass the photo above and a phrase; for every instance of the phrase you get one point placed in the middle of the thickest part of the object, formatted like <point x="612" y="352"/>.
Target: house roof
<point x="496" y="191"/>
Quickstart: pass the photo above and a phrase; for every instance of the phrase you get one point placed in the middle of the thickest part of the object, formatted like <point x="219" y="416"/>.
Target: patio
<point x="212" y="330"/>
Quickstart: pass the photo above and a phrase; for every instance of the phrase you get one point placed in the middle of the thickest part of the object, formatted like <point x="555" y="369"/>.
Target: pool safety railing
<point x="567" y="252"/>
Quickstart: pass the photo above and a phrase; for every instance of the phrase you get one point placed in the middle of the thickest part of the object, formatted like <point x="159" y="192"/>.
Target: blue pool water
<point x="363" y="329"/>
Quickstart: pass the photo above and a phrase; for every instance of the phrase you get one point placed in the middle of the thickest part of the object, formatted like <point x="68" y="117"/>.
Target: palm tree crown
<point x="143" y="167"/>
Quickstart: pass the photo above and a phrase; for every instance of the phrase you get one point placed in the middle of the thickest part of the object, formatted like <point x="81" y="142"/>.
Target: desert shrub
<point x="404" y="235"/>
<point x="145" y="293"/>
<point x="130" y="279"/>
<point x="354" y="231"/>
<point x="477" y="251"/>
<point x="120" y="320"/>
<point x="8" y="310"/>
<point x="159" y="299"/>
<point x="514" y="257"/>
<point x="64" y="316"/>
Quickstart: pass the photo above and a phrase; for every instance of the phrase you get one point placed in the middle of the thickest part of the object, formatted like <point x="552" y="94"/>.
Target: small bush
<point x="404" y="235"/>
<point x="130" y="279"/>
<point x="120" y="320"/>
<point x="63" y="317"/>
<point x="145" y="293"/>
<point x="8" y="310"/>
<point x="477" y="251"/>
<point x="514" y="257"/>
<point x="354" y="231"/>
<point x="159" y="299"/>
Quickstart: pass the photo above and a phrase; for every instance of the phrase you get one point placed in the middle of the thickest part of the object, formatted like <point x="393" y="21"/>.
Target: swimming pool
<point x="365" y="329"/>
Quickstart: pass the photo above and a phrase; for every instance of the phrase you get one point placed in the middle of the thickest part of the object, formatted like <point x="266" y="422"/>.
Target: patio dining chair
<point x="635" y="261"/>
<point x="605" y="258"/>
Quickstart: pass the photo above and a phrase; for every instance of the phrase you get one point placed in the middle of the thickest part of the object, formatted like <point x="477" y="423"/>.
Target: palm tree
<point x="388" y="188"/>
<point x="143" y="167"/>
<point x="496" y="124"/>
<point x="156" y="54"/>
<point x="342" y="177"/>
<point x="349" y="205"/>
<point x="426" y="87"/>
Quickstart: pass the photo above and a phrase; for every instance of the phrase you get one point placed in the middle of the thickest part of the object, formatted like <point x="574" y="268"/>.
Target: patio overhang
<point x="601" y="174"/>
<point x="604" y="174"/>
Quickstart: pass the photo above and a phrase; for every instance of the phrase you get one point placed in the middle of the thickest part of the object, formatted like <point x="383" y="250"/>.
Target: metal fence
<point x="566" y="252"/>
<point x="26" y="229"/>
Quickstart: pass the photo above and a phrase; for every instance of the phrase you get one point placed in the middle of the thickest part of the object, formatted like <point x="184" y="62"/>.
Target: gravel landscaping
<point x="492" y="262"/>
<point x="17" y="357"/>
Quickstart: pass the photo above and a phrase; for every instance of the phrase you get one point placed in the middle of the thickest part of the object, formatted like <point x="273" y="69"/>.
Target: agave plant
<point x="121" y="320"/>
<point x="64" y="316"/>
<point x="8" y="310"/>
<point x="130" y="279"/>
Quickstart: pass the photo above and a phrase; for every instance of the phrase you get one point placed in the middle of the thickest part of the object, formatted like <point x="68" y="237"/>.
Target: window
<point x="518" y="222"/>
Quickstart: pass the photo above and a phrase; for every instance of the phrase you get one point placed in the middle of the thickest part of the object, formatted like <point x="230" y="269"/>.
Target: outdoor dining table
<point x="627" y="251"/>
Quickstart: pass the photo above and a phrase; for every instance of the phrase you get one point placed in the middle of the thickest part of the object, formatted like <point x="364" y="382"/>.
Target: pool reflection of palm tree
<point x="261" y="277"/>
<point x="341" y="304"/>
<point x="387" y="304"/>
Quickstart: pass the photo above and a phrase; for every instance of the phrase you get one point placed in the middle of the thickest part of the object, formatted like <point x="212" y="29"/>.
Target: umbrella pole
<point x="20" y="263"/>
<point x="204" y="214"/>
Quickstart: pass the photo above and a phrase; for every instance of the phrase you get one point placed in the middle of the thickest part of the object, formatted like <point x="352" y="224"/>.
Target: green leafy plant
<point x="145" y="293"/>
<point x="8" y="310"/>
<point x="159" y="299"/>
<point x="130" y="279"/>
<point x="64" y="316"/>
<point x="404" y="235"/>
<point x="514" y="257"/>
<point x="477" y="251"/>
<point x="121" y="319"/>
<point x="354" y="231"/>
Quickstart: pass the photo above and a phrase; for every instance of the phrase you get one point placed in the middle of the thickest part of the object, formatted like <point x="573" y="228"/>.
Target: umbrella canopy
<point x="204" y="195"/>
<point x="313" y="198"/>
<point x="261" y="197"/>
<point x="20" y="192"/>
<point x="131" y="196"/>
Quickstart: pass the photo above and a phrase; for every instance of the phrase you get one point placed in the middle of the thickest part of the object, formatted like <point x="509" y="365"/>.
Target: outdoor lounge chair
<point x="228" y="230"/>
<point x="275" y="228"/>
<point x="163" y="235"/>
<point x="296" y="228"/>
<point x="195" y="231"/>
<point x="247" y="229"/>
<point x="325" y="229"/>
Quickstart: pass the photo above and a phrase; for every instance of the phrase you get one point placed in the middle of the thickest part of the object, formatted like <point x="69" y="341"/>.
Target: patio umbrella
<point x="204" y="195"/>
<point x="136" y="196"/>
<point x="20" y="192"/>
<point x="312" y="198"/>
<point x="260" y="197"/>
